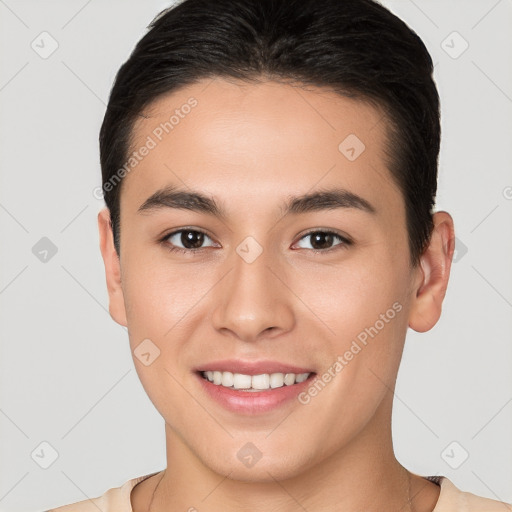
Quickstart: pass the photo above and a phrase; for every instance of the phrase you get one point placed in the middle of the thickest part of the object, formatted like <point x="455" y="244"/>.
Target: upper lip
<point x="251" y="367"/>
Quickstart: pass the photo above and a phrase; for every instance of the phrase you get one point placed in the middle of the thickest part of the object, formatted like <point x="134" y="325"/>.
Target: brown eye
<point x="192" y="239"/>
<point x="187" y="239"/>
<point x="323" y="240"/>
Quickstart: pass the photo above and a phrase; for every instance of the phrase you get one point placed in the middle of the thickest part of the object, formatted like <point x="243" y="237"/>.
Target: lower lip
<point x="253" y="402"/>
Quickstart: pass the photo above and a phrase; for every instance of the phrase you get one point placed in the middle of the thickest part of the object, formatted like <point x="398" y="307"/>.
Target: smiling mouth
<point x="254" y="383"/>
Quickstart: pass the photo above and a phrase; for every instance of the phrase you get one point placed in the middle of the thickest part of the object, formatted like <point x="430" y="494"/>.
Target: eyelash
<point x="174" y="249"/>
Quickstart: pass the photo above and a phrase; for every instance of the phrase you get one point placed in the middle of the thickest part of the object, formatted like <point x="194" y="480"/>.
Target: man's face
<point x="263" y="283"/>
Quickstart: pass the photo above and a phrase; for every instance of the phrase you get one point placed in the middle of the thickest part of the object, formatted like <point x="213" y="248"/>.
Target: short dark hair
<point x="356" y="48"/>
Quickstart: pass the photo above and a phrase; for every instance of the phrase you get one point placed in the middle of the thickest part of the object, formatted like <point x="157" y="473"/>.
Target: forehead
<point x="259" y="139"/>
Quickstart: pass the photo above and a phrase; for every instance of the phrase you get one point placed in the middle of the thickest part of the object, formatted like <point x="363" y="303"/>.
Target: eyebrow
<point x="329" y="199"/>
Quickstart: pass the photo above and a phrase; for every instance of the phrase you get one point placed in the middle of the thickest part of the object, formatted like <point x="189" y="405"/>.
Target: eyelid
<point x="346" y="240"/>
<point x="173" y="248"/>
<point x="184" y="228"/>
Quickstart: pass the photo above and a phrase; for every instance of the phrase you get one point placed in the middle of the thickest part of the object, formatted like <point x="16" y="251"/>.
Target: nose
<point x="252" y="301"/>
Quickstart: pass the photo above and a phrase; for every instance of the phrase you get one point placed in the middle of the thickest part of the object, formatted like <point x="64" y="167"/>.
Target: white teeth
<point x="227" y="379"/>
<point x="301" y="377"/>
<point x="289" y="379"/>
<point x="241" y="381"/>
<point x="263" y="381"/>
<point x="276" y="380"/>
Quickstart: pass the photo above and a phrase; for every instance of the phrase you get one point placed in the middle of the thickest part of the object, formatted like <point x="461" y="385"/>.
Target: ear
<point x="433" y="275"/>
<point x="112" y="268"/>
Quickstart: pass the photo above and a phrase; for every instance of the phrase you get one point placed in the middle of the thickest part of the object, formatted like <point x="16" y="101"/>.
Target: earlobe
<point x="434" y="272"/>
<point x="112" y="264"/>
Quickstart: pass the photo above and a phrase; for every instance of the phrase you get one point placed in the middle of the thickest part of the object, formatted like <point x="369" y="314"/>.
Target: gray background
<point x="67" y="377"/>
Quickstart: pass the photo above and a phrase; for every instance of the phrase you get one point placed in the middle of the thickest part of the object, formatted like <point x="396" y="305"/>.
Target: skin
<point x="251" y="147"/>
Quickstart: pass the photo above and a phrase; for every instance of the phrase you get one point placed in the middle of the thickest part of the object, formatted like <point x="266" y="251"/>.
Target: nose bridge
<point x="251" y="299"/>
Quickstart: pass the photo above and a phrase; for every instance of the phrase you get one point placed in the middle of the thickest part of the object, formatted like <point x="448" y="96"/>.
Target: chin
<point x="263" y="468"/>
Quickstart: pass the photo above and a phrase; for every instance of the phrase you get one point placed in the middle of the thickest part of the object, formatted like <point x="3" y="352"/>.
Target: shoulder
<point x="452" y="499"/>
<point x="116" y="499"/>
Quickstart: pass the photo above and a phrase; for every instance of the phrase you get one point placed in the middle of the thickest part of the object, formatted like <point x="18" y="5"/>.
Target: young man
<point x="270" y="169"/>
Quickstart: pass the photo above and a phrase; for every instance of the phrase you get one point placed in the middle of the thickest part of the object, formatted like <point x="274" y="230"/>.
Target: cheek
<point x="351" y="294"/>
<point x="159" y="303"/>
<point x="364" y="305"/>
<point x="365" y="308"/>
<point x="158" y="296"/>
<point x="166" y="305"/>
